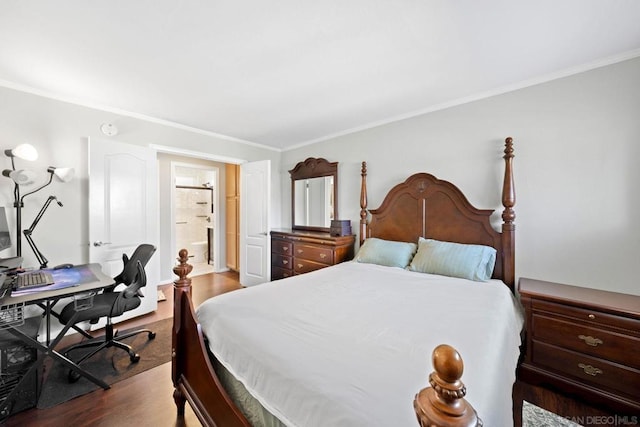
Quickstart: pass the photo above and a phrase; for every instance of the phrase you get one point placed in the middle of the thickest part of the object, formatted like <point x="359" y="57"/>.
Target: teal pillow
<point x="473" y="262"/>
<point x="386" y="252"/>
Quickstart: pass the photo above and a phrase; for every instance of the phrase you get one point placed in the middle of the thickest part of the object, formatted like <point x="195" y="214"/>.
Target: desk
<point x="69" y="282"/>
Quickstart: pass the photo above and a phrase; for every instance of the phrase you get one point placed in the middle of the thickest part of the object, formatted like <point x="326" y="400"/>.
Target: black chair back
<point x="142" y="254"/>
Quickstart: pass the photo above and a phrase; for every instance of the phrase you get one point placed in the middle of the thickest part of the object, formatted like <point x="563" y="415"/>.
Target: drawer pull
<point x="300" y="265"/>
<point x="300" y="251"/>
<point x="589" y="340"/>
<point x="592" y="316"/>
<point x="323" y="256"/>
<point x="285" y="262"/>
<point x="589" y="370"/>
<point x="285" y="248"/>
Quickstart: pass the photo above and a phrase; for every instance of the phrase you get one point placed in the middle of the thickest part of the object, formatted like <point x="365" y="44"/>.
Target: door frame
<point x="217" y="267"/>
<point x="196" y="155"/>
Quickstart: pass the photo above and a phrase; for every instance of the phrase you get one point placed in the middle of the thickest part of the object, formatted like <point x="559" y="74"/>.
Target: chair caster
<point x="135" y="358"/>
<point x="73" y="376"/>
<point x="152" y="335"/>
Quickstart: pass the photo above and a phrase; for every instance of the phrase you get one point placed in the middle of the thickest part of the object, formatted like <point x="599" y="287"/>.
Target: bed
<point x="350" y="344"/>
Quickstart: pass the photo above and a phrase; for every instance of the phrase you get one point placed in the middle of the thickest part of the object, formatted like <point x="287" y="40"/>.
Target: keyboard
<point x="33" y="280"/>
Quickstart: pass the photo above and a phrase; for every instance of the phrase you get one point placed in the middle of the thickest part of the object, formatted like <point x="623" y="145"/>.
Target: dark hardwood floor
<point x="145" y="399"/>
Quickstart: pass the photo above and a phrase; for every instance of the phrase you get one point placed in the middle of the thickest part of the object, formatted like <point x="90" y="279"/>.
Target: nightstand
<point x="583" y="342"/>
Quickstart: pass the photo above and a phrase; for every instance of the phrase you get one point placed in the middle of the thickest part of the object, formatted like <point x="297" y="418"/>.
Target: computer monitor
<point x="5" y="235"/>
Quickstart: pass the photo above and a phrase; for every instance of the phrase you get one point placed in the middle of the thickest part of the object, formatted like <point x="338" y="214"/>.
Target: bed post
<point x="181" y="296"/>
<point x="363" y="203"/>
<point x="443" y="403"/>
<point x="508" y="217"/>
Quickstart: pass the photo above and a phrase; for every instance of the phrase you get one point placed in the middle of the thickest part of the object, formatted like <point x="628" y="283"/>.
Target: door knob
<point x="99" y="243"/>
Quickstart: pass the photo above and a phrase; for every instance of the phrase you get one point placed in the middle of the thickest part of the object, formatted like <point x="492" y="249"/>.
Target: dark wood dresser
<point x="583" y="342"/>
<point x="299" y="252"/>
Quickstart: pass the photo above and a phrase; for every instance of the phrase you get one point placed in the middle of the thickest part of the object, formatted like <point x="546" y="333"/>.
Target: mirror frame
<point x="313" y="168"/>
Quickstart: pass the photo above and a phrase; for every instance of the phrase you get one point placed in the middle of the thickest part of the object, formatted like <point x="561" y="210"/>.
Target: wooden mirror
<point x="314" y="194"/>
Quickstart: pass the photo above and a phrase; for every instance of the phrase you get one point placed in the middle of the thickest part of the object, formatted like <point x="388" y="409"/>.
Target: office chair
<point x="112" y="303"/>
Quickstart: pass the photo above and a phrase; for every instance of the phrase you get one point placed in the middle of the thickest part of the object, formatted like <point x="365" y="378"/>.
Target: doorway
<point x="167" y="156"/>
<point x="195" y="208"/>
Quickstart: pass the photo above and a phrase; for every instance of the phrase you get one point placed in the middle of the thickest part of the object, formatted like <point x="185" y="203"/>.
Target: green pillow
<point x="473" y="262"/>
<point x="386" y="252"/>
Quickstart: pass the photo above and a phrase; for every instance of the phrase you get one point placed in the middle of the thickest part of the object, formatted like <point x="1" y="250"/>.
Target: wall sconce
<point x="25" y="177"/>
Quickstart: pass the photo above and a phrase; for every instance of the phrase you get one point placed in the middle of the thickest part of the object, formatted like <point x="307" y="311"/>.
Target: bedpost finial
<point x="443" y="403"/>
<point x="448" y="364"/>
<point x="183" y="269"/>
<point x="508" y="148"/>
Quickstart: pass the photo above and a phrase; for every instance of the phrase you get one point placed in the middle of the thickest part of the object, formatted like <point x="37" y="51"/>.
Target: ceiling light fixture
<point x="109" y="129"/>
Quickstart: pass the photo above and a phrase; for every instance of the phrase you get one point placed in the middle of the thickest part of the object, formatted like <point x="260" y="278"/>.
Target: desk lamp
<point x="27" y="233"/>
<point x="25" y="177"/>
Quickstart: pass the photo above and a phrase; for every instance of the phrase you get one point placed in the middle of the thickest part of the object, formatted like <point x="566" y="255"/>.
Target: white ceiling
<point x="290" y="72"/>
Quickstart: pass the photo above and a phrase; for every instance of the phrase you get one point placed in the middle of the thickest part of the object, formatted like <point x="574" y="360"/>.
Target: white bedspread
<point x="351" y="345"/>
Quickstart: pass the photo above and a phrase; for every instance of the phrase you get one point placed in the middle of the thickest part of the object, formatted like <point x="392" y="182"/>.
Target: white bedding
<point x="351" y="345"/>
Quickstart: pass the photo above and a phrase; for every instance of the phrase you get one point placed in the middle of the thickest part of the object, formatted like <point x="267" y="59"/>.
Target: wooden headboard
<point x="425" y="206"/>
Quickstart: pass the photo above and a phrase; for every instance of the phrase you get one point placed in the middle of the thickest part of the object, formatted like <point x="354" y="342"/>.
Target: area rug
<point x="111" y="365"/>
<point x="533" y="416"/>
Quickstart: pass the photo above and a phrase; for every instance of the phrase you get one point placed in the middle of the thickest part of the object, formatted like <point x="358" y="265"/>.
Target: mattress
<point x="350" y="345"/>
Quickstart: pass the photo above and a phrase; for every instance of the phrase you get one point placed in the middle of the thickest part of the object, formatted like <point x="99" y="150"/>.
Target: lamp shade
<point x="63" y="174"/>
<point x="21" y="176"/>
<point x="23" y="151"/>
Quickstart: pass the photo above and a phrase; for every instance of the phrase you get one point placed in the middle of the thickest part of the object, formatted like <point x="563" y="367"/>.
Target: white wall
<point x="59" y="130"/>
<point x="577" y="148"/>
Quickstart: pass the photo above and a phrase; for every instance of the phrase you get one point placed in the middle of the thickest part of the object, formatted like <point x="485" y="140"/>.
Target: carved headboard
<point x="425" y="206"/>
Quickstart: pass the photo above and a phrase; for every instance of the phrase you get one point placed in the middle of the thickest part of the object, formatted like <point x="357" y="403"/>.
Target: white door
<point x="123" y="211"/>
<point x="255" y="196"/>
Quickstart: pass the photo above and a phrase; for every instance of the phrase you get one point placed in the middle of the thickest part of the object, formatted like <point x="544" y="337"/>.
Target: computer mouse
<point x="61" y="266"/>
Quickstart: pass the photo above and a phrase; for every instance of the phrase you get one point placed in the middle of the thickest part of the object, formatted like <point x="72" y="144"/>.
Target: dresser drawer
<point x="313" y="253"/>
<point x="281" y="261"/>
<point x="587" y="339"/>
<point x="281" y="247"/>
<point x="590" y="370"/>
<point x="280" y="273"/>
<point x="301" y="266"/>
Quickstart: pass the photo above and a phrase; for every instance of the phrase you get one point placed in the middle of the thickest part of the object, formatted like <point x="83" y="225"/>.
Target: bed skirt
<point x="257" y="415"/>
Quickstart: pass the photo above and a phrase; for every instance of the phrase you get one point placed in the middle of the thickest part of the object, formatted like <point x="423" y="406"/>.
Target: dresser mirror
<point x="314" y="194"/>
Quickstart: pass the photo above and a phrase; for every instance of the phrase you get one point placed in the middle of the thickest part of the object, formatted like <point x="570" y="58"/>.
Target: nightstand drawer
<point x="586" y="339"/>
<point x="586" y="315"/>
<point x="313" y="253"/>
<point x="596" y="372"/>
<point x="281" y="247"/>
<point x="304" y="266"/>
